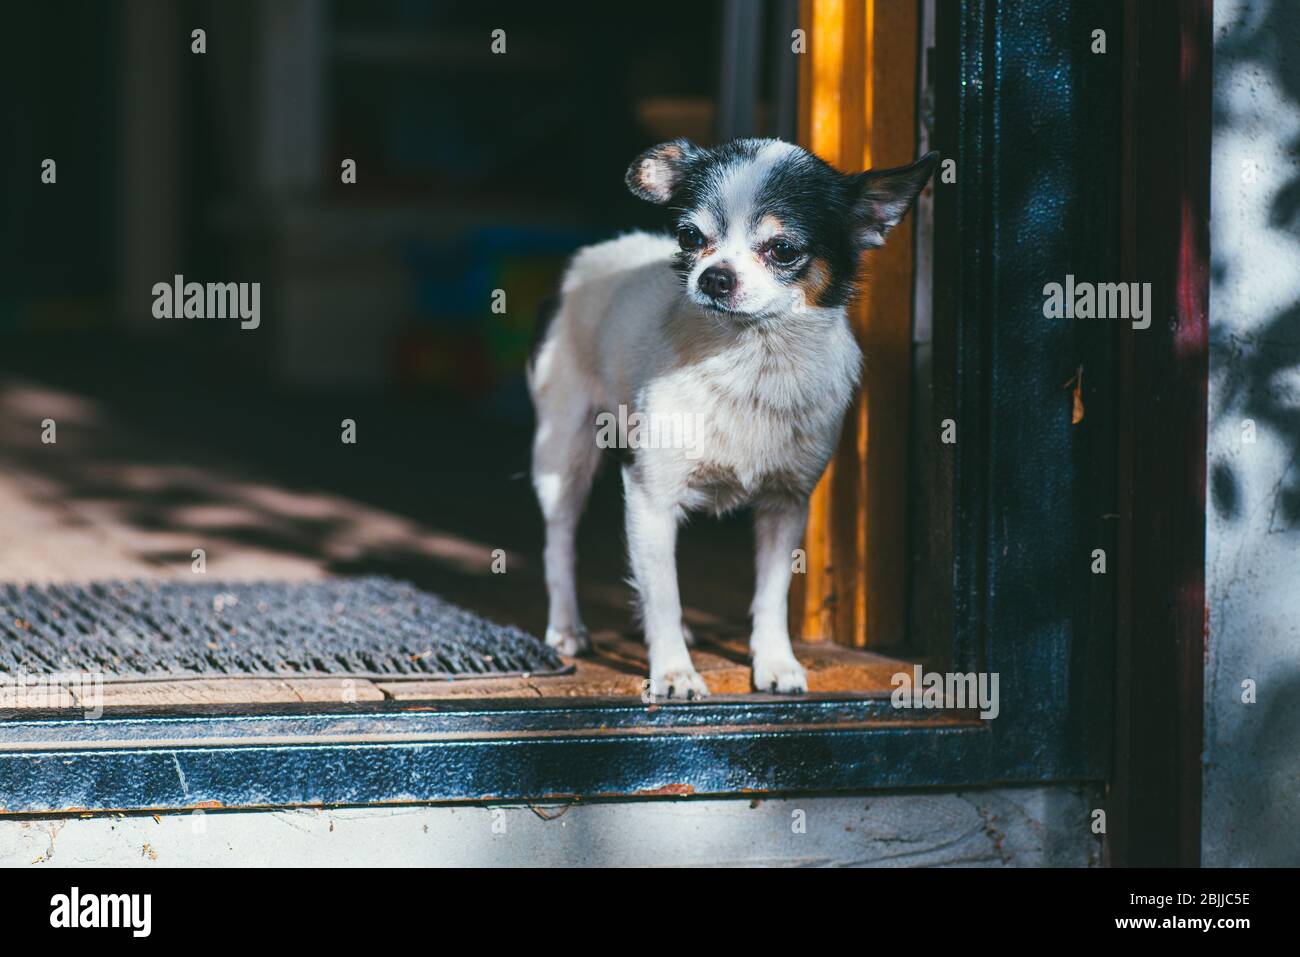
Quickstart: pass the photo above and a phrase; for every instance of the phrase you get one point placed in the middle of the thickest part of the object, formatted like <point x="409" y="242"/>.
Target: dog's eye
<point x="783" y="252"/>
<point x="688" y="237"/>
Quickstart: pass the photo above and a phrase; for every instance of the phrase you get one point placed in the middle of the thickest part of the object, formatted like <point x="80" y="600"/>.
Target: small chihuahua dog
<point x="736" y="322"/>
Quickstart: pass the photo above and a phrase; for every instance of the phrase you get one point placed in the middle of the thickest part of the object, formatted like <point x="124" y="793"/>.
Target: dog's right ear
<point x="655" y="175"/>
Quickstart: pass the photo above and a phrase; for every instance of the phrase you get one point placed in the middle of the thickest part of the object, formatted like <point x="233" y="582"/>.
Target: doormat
<point x="360" y="627"/>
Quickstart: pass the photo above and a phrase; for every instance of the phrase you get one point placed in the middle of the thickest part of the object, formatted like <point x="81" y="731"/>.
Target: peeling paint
<point x="674" y="790"/>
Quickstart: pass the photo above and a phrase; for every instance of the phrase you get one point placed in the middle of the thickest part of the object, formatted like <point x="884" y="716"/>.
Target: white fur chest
<point x="765" y="411"/>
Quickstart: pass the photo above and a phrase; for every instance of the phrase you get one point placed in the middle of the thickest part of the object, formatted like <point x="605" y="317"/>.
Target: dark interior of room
<point x="175" y="434"/>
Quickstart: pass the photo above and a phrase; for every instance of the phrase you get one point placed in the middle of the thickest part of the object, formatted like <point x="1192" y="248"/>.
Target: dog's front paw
<point x="569" y="642"/>
<point x="779" y="674"/>
<point x="684" y="683"/>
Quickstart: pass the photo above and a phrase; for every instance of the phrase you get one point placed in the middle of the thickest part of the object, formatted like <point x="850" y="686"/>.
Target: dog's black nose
<point x="717" y="281"/>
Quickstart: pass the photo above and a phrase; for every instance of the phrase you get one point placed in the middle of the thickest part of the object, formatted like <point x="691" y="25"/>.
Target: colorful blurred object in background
<point x="474" y="303"/>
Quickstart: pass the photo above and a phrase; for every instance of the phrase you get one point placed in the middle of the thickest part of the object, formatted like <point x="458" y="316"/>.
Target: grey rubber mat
<point x="363" y="627"/>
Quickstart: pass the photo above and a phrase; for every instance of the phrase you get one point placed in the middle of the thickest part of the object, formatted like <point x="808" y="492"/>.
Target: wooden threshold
<point x="617" y="668"/>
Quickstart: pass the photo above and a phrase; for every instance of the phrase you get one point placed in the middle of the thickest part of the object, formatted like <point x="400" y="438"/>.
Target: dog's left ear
<point x="655" y="175"/>
<point x="884" y="195"/>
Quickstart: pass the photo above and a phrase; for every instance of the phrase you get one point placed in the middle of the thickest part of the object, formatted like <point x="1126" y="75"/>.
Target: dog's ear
<point x="656" y="173"/>
<point x="883" y="197"/>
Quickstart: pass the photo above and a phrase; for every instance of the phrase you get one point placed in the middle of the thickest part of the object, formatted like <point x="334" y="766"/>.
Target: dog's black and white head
<point x="766" y="227"/>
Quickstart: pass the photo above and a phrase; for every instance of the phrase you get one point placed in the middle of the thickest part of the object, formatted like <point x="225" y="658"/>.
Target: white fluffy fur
<point x="769" y="389"/>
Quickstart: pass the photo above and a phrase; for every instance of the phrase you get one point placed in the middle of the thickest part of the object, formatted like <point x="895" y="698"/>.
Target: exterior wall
<point x="1251" y="810"/>
<point x="1009" y="827"/>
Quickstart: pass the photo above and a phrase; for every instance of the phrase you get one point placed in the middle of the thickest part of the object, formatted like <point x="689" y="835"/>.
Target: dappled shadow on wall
<point x="1256" y="357"/>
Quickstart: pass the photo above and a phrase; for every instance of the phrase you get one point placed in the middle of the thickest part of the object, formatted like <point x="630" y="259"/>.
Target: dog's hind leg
<point x="565" y="457"/>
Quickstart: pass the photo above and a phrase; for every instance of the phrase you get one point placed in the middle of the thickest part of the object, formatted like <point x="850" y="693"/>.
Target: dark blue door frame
<point x="487" y="751"/>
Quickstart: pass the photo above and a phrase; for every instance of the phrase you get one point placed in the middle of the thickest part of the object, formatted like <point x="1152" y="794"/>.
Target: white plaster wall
<point x="1251" y="810"/>
<point x="1045" y="826"/>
